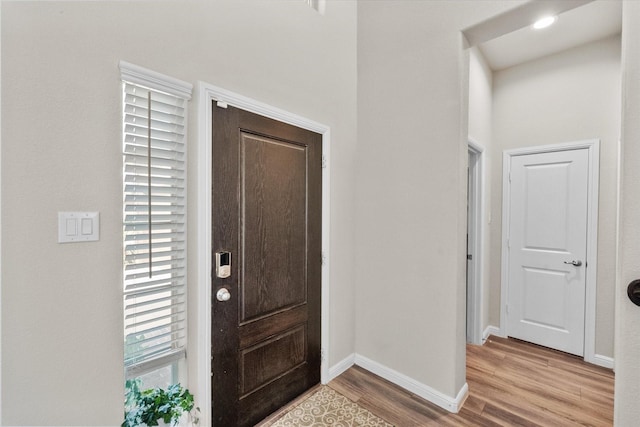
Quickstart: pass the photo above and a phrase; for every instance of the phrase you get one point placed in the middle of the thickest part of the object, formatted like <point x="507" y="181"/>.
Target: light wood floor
<point x="511" y="383"/>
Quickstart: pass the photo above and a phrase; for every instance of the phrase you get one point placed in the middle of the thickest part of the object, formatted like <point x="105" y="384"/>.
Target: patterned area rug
<point x="327" y="407"/>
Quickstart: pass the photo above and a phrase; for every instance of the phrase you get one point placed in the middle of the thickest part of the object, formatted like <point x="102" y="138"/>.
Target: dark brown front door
<point x="267" y="195"/>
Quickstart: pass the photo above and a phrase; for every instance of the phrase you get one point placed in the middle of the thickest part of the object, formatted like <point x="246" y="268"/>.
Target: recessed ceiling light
<point x="544" y="22"/>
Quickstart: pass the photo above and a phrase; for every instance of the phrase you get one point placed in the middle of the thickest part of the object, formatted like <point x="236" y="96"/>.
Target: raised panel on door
<point x="274" y="235"/>
<point x="545" y="301"/>
<point x="548" y="225"/>
<point x="546" y="209"/>
<point x="269" y="359"/>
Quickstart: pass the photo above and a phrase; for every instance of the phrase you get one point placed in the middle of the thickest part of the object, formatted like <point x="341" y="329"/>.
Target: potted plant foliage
<point x="158" y="406"/>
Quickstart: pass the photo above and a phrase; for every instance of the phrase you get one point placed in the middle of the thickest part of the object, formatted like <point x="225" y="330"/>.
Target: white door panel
<point x="547" y="228"/>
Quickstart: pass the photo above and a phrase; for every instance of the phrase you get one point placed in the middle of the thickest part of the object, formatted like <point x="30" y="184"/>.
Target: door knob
<point x="223" y="295"/>
<point x="575" y="263"/>
<point x="633" y="291"/>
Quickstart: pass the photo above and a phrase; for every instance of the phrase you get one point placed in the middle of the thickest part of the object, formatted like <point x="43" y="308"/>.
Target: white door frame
<point x="593" y="147"/>
<point x="475" y="230"/>
<point x="200" y="340"/>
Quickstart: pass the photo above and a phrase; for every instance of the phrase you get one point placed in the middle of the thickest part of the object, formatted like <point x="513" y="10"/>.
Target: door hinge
<point x="469" y="257"/>
<point x="323" y="258"/>
<point x="509" y="176"/>
<point x="324" y="162"/>
<point x="322" y="355"/>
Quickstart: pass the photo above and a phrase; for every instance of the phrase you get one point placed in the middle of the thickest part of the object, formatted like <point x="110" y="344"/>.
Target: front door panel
<point x="267" y="212"/>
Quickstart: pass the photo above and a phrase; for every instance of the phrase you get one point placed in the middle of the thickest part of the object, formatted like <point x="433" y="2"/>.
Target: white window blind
<point x="154" y="225"/>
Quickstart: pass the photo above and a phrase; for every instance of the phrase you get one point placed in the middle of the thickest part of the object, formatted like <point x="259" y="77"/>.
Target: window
<point x="154" y="223"/>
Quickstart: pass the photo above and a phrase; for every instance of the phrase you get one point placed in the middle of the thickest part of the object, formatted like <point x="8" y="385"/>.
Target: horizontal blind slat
<point x="160" y="247"/>
<point x="162" y="122"/>
<point x="141" y="260"/>
<point x="133" y="198"/>
<point x="143" y="169"/>
<point x="156" y="264"/>
<point x="135" y="110"/>
<point x="156" y="181"/>
<point x="141" y="101"/>
<point x="142" y="92"/>
<point x="152" y="302"/>
<point x="156" y="134"/>
<point x="153" y="317"/>
<point x="135" y="159"/>
<point x="165" y="152"/>
<point x="166" y="198"/>
<point x="138" y="193"/>
<point x="167" y="277"/>
<point x="139" y="314"/>
<point x="151" y="329"/>
<point x="139" y="228"/>
<point x="136" y="144"/>
<point x="160" y="235"/>
<point x="156" y="219"/>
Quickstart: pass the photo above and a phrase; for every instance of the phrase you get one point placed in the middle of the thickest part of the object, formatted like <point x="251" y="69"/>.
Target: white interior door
<point x="547" y="244"/>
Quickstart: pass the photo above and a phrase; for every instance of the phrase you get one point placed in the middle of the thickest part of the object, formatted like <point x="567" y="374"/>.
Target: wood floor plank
<point x="501" y="396"/>
<point x="536" y="380"/>
<point x="474" y="405"/>
<point x="539" y="409"/>
<point x="485" y="359"/>
<point x="345" y="386"/>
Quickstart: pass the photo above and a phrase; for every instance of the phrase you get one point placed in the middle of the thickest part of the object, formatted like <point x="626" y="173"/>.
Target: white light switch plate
<point x="78" y="227"/>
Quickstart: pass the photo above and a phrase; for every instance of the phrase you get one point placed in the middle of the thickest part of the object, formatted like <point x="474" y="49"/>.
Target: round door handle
<point x="633" y="291"/>
<point x="577" y="263"/>
<point x="223" y="295"/>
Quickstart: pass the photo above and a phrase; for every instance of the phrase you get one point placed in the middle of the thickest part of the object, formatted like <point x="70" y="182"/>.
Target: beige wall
<point x="61" y="304"/>
<point x="627" y="346"/>
<point x="480" y="98"/>
<point x="480" y="131"/>
<point x="570" y="96"/>
<point x="411" y="187"/>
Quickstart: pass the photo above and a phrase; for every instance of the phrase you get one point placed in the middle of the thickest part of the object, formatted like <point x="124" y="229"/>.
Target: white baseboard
<point x="491" y="330"/>
<point x="604" y="361"/>
<point x="337" y="369"/>
<point x="451" y="404"/>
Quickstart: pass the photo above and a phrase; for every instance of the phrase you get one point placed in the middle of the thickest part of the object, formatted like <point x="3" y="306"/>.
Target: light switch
<point x="78" y="227"/>
<point x="87" y="226"/>
<point x="72" y="227"/>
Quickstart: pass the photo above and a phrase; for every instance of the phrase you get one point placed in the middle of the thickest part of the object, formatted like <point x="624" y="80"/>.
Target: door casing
<point x="593" y="147"/>
<point x="200" y="305"/>
<point x="475" y="232"/>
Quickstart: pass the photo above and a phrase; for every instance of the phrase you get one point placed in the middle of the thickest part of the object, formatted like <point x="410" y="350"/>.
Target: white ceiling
<point x="584" y="24"/>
